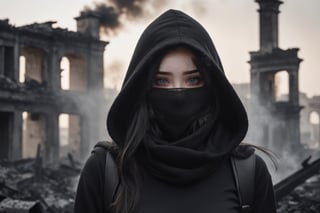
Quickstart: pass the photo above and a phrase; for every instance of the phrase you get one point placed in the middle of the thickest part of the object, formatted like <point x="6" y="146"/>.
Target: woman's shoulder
<point x="97" y="159"/>
<point x="90" y="191"/>
<point x="244" y="151"/>
<point x="262" y="171"/>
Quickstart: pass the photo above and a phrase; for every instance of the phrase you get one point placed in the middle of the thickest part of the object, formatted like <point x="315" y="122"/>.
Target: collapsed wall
<point x="37" y="61"/>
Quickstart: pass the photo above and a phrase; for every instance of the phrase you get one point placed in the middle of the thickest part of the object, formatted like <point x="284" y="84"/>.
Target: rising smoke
<point x="198" y="7"/>
<point x="115" y="13"/>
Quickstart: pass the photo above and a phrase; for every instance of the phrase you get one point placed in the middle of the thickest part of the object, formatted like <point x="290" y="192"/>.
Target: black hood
<point x="173" y="28"/>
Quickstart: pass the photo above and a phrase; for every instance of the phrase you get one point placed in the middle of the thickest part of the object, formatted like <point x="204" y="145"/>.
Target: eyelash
<point x="161" y="81"/>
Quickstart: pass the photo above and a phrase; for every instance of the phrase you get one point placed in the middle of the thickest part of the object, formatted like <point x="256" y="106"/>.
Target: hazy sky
<point x="233" y="25"/>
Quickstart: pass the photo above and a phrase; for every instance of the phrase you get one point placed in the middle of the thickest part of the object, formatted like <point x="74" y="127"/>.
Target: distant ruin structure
<point x="276" y="119"/>
<point x="51" y="89"/>
<point x="310" y="121"/>
<point x="309" y="115"/>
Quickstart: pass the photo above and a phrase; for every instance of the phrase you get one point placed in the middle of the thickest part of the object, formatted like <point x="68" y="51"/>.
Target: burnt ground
<point x="26" y="184"/>
<point x="303" y="199"/>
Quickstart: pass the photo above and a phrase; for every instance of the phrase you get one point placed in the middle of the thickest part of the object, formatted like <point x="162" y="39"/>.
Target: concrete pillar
<point x="16" y="59"/>
<point x="52" y="141"/>
<point x="16" y="146"/>
<point x="35" y="133"/>
<point x="6" y="133"/>
<point x="86" y="132"/>
<point x="2" y="62"/>
<point x="95" y="70"/>
<point x="294" y="133"/>
<point x="53" y="70"/>
<point x="75" y="135"/>
<point x="254" y="86"/>
<point x="269" y="10"/>
<point x="293" y="87"/>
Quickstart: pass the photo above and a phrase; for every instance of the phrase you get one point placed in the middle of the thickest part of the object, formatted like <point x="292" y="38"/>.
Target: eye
<point x="161" y="81"/>
<point x="194" y="80"/>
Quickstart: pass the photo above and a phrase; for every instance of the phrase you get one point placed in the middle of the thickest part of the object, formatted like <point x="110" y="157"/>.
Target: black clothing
<point x="175" y="110"/>
<point x="191" y="173"/>
<point x="187" y="159"/>
<point x="215" y="193"/>
<point x="174" y="28"/>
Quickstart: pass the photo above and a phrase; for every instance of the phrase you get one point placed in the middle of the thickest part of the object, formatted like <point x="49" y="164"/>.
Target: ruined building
<point x="35" y="107"/>
<point x="276" y="121"/>
<point x="309" y="115"/>
<point x="309" y="121"/>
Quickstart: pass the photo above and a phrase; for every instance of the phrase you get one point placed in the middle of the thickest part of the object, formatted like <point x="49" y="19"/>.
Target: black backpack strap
<point x="244" y="175"/>
<point x="111" y="180"/>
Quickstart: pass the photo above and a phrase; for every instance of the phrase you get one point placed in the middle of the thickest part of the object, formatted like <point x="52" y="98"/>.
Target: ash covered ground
<point x="27" y="185"/>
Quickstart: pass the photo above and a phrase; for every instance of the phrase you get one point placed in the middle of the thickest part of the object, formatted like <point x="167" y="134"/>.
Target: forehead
<point x="180" y="59"/>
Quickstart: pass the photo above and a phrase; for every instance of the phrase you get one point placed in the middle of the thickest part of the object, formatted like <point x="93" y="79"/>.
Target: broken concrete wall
<point x="78" y="73"/>
<point x="42" y="47"/>
<point x="34" y="64"/>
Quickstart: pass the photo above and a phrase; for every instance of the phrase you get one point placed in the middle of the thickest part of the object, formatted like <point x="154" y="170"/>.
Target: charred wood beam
<point x="285" y="186"/>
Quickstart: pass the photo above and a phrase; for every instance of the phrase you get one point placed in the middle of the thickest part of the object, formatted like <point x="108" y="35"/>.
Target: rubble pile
<point x="10" y="84"/>
<point x="27" y="186"/>
<point x="303" y="199"/>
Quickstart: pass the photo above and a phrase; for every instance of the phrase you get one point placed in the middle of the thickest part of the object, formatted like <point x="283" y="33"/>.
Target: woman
<point x="175" y="125"/>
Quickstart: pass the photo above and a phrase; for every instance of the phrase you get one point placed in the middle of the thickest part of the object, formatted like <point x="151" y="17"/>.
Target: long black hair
<point x="128" y="192"/>
<point x="127" y="195"/>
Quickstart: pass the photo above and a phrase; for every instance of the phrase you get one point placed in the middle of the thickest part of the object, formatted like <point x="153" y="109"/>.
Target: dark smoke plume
<point x="114" y="13"/>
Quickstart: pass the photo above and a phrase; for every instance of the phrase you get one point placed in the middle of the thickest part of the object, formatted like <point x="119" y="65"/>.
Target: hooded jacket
<point x="216" y="192"/>
<point x="173" y="28"/>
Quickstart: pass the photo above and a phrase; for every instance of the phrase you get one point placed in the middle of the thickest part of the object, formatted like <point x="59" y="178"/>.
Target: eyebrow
<point x="184" y="73"/>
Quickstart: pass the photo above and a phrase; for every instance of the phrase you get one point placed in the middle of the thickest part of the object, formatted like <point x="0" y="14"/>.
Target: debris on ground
<point x="27" y="186"/>
<point x="303" y="199"/>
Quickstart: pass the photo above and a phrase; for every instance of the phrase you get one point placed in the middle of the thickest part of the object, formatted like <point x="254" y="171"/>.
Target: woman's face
<point x="177" y="70"/>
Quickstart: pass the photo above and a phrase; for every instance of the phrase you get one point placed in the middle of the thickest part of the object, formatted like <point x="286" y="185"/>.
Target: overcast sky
<point x="233" y="25"/>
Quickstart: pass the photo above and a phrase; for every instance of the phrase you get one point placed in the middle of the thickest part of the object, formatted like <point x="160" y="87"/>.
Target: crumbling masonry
<point x="31" y="102"/>
<point x="277" y="121"/>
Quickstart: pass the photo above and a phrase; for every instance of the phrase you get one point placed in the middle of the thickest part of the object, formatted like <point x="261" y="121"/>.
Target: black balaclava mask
<point x="178" y="111"/>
